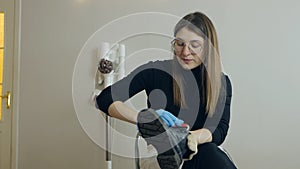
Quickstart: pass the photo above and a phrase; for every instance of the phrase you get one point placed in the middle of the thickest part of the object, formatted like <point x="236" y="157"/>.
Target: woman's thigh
<point x="209" y="156"/>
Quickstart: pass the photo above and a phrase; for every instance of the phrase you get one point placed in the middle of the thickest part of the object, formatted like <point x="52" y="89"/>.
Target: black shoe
<point x="170" y="142"/>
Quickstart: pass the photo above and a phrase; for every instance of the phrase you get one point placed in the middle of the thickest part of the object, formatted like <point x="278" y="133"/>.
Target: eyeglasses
<point x="194" y="46"/>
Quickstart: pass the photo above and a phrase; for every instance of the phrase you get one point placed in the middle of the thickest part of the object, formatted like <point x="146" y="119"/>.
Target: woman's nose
<point x="186" y="51"/>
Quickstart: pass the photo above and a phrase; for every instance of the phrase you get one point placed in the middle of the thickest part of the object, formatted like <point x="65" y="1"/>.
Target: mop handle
<point x="108" y="143"/>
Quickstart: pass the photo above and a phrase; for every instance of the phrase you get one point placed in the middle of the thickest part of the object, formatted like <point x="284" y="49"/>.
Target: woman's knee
<point x="206" y="151"/>
<point x="208" y="148"/>
<point x="212" y="153"/>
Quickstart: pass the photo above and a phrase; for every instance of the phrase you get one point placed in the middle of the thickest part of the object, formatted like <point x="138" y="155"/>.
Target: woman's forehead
<point x="188" y="35"/>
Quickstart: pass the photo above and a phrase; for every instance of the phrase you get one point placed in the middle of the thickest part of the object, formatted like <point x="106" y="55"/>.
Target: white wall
<point x="258" y="43"/>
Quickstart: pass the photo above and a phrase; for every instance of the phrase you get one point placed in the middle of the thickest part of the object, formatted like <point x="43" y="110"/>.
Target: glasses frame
<point x="193" y="50"/>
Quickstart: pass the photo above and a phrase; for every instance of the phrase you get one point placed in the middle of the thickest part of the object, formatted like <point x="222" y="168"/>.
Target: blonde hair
<point x="212" y="66"/>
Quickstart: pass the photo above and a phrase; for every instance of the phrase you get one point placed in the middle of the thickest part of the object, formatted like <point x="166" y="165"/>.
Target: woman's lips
<point x="187" y="60"/>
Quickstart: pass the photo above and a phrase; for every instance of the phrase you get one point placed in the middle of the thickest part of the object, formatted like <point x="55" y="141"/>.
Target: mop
<point x="112" y="68"/>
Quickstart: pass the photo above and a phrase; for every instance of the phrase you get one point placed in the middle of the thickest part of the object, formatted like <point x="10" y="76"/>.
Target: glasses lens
<point x="195" y="44"/>
<point x="178" y="45"/>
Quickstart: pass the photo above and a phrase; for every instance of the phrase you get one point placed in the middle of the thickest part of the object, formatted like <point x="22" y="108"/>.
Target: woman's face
<point x="189" y="48"/>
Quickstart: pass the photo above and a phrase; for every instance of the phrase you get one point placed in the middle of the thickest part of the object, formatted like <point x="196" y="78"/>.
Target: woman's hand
<point x="201" y="136"/>
<point x="169" y="118"/>
<point x="197" y="137"/>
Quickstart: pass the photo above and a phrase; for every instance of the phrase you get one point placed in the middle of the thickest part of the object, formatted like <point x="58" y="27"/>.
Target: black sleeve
<point x="219" y="123"/>
<point x="136" y="81"/>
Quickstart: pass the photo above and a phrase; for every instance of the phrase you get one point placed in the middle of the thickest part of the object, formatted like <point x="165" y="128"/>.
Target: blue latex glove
<point x="169" y="118"/>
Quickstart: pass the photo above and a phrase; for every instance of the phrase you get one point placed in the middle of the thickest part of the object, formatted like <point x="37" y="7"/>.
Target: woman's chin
<point x="187" y="66"/>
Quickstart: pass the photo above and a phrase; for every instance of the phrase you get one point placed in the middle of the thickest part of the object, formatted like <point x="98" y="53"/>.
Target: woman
<point x="190" y="89"/>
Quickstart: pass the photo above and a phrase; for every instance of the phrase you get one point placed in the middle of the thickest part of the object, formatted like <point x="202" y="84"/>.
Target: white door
<point x="6" y="71"/>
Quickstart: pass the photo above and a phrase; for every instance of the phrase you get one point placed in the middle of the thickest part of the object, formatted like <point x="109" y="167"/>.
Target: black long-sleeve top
<point x="157" y="80"/>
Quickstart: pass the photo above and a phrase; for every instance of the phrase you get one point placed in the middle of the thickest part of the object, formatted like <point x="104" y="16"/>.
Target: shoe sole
<point x="154" y="130"/>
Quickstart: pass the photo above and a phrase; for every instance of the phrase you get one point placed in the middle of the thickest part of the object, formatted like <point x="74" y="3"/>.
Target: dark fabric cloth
<point x="209" y="156"/>
<point x="157" y="81"/>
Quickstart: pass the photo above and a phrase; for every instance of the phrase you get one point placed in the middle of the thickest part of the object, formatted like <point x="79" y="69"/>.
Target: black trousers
<point x="209" y="156"/>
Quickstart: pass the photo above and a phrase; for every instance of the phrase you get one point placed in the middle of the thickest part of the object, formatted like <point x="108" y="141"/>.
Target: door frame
<point x="16" y="85"/>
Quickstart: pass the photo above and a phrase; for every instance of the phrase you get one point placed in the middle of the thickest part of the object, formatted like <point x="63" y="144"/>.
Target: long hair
<point x="211" y="63"/>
